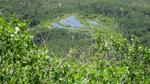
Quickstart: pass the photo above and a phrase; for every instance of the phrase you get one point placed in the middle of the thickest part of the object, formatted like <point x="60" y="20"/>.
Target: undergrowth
<point x="114" y="59"/>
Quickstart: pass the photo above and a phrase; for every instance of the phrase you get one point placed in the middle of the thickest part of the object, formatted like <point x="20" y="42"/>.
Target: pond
<point x="72" y="22"/>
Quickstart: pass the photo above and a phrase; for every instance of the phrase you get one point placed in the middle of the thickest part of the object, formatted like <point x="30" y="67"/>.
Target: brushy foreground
<point x="114" y="59"/>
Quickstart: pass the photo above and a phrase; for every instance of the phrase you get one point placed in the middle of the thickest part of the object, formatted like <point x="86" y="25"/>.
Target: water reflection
<point x="71" y="22"/>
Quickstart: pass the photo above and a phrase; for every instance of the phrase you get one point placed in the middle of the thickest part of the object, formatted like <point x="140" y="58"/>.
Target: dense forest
<point x="74" y="41"/>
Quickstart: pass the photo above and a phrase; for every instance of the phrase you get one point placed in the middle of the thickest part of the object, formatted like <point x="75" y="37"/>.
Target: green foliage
<point x="61" y="41"/>
<point x="114" y="60"/>
<point x="111" y="59"/>
<point x="126" y="62"/>
<point x="20" y="60"/>
<point x="131" y="15"/>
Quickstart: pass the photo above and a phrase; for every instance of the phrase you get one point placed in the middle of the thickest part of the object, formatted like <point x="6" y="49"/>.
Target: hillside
<point x="131" y="15"/>
<point x="74" y="42"/>
<point x="71" y="32"/>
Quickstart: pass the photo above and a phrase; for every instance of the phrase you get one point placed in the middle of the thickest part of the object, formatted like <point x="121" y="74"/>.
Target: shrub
<point x="20" y="60"/>
<point x="124" y="61"/>
<point x="114" y="60"/>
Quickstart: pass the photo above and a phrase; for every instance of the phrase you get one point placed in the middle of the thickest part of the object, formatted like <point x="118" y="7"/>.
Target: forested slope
<point x="132" y="15"/>
<point x="74" y="41"/>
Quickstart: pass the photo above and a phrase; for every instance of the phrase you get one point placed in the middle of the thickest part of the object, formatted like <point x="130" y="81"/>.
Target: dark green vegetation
<point x="60" y="41"/>
<point x="133" y="16"/>
<point x="35" y="52"/>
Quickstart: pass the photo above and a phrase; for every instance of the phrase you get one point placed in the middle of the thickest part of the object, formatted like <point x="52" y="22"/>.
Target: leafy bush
<point x="20" y="60"/>
<point x="124" y="61"/>
<point x="114" y="60"/>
